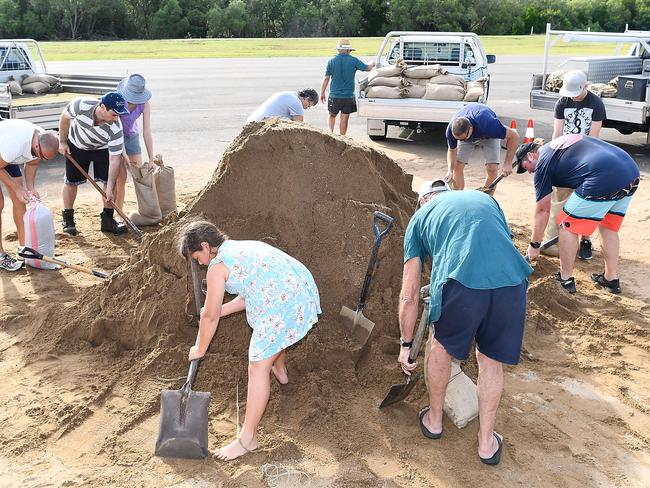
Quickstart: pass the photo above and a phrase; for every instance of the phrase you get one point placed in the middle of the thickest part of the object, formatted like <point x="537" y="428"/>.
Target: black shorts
<point x="98" y="157"/>
<point x="343" y="105"/>
<point x="14" y="170"/>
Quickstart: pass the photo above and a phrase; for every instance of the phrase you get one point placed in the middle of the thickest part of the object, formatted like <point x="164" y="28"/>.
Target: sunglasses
<point x="39" y="152"/>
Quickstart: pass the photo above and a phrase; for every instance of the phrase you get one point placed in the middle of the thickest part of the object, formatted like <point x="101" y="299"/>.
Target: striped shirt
<point x="86" y="135"/>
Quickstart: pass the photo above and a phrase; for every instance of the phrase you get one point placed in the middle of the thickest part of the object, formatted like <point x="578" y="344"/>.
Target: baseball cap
<point x="573" y="83"/>
<point x="522" y="152"/>
<point x="434" y="186"/>
<point x="115" y="102"/>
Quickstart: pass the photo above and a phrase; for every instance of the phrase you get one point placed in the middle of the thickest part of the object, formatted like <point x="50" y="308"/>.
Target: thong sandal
<point x="496" y="457"/>
<point x="426" y="432"/>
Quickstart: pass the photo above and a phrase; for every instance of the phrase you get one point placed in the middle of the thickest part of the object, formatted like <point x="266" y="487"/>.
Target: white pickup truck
<point x="23" y="57"/>
<point x="460" y="53"/>
<point x="629" y="110"/>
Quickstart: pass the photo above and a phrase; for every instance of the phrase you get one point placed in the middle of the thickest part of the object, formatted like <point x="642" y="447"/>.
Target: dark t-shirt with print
<point x="578" y="116"/>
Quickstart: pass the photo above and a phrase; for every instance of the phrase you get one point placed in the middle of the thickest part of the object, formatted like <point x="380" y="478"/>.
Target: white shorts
<point x="491" y="150"/>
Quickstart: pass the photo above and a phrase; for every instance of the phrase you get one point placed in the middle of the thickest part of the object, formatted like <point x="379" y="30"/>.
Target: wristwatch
<point x="404" y="343"/>
<point x="535" y="244"/>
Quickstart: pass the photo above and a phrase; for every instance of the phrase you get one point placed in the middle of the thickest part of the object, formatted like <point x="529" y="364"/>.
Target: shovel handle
<point x="381" y="217"/>
<point x="492" y="185"/>
<point x="419" y="332"/>
<point x="196" y="286"/>
<point x="379" y="235"/>
<point x="29" y="253"/>
<point x="191" y="375"/>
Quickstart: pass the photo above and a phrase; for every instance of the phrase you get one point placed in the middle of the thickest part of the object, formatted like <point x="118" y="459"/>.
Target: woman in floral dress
<point x="281" y="302"/>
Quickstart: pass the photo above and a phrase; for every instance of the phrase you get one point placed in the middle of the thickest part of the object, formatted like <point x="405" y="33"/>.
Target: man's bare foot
<point x="280" y="373"/>
<point x="234" y="450"/>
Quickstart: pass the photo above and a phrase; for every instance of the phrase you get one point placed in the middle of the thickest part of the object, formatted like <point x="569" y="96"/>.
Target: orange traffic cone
<point x="513" y="124"/>
<point x="530" y="132"/>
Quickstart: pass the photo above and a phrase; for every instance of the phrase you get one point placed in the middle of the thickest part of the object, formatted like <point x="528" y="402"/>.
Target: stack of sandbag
<point x="40" y="83"/>
<point x="386" y="82"/>
<point x="604" y="90"/>
<point x="555" y="79"/>
<point x="474" y="90"/>
<point x="417" y="78"/>
<point x="445" y="87"/>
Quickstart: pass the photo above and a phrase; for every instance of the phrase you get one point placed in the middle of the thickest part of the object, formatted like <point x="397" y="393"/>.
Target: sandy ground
<point x="574" y="413"/>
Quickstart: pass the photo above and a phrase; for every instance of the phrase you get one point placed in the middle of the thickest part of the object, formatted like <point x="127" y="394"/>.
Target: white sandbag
<point x="36" y="87"/>
<point x="45" y="78"/>
<point x="386" y="81"/>
<point x="39" y="233"/>
<point x="475" y="90"/>
<point x="417" y="81"/>
<point x="165" y="187"/>
<point x="149" y="212"/>
<point x="414" y="91"/>
<point x="444" y="92"/>
<point x="447" y="80"/>
<point x="384" y="92"/>
<point x="14" y="86"/>
<point x="424" y="71"/>
<point x="388" y="71"/>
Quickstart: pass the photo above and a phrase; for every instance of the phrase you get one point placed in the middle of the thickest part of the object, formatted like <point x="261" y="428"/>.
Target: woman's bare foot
<point x="280" y="373"/>
<point x="235" y="449"/>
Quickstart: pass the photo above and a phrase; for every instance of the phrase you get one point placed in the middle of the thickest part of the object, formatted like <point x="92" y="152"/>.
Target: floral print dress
<point x="282" y="300"/>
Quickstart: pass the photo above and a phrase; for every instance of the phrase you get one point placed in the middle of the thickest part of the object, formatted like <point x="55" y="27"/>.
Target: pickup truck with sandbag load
<point x="423" y="78"/>
<point x="28" y="91"/>
<point x="621" y="80"/>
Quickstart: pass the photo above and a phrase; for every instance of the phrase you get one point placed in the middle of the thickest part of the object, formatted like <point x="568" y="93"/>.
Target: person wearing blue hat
<point x="91" y="132"/>
<point x="133" y="89"/>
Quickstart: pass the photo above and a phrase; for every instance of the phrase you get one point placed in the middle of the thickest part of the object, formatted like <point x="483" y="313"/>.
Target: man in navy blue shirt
<point x="477" y="125"/>
<point x="604" y="178"/>
<point x="341" y="69"/>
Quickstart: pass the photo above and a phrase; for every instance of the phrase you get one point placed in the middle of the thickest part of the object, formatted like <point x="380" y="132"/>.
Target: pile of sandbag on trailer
<point x="555" y="79"/>
<point x="34" y="84"/>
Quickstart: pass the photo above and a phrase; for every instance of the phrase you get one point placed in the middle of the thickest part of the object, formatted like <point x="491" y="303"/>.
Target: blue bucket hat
<point x="134" y="90"/>
<point x="115" y="102"/>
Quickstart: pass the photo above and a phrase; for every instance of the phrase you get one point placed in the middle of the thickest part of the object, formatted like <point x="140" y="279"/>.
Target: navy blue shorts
<point x="494" y="317"/>
<point x="13" y="170"/>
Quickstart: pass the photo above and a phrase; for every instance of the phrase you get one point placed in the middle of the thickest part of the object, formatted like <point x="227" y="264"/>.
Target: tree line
<point x="171" y="19"/>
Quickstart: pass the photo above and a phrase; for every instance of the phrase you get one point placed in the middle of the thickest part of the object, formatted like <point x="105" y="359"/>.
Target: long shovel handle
<point x="29" y="253"/>
<point x="419" y="332"/>
<point x="492" y="185"/>
<point x="379" y="235"/>
<point x="128" y="221"/>
<point x="196" y="286"/>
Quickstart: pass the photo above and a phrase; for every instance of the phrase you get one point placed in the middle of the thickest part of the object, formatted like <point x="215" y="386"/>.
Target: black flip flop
<point x="426" y="432"/>
<point x="496" y="457"/>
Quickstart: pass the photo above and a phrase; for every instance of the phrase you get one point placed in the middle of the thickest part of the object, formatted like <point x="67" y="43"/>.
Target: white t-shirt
<point x="284" y="104"/>
<point x="16" y="141"/>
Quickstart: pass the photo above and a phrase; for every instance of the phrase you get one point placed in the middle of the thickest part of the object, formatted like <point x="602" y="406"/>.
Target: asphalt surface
<point x="200" y="105"/>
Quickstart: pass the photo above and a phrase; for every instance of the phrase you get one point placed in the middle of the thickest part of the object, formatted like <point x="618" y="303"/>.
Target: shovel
<point x="400" y="391"/>
<point x="183" y="431"/>
<point x="359" y="326"/>
<point x="29" y="253"/>
<point x="490" y="188"/>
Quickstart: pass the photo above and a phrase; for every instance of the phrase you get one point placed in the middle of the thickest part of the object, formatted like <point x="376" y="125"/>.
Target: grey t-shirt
<point x="578" y="116"/>
<point x="284" y="104"/>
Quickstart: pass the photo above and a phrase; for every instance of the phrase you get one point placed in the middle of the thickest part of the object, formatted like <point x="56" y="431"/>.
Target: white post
<point x="532" y="29"/>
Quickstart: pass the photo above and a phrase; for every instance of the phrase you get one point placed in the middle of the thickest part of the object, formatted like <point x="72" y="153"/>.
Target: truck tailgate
<point x="408" y="109"/>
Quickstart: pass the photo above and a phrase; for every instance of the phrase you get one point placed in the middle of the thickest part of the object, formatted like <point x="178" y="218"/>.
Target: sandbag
<point x="444" y="92"/>
<point x="555" y="79"/>
<point x="386" y="81"/>
<point x="39" y="233"/>
<point x="45" y="78"/>
<point x="447" y="80"/>
<point x="388" y="71"/>
<point x="14" y="86"/>
<point x="149" y="212"/>
<point x="417" y="81"/>
<point x="414" y="91"/>
<point x="165" y="187"/>
<point x="384" y="92"/>
<point x="36" y="87"/>
<point x="475" y="90"/>
<point x="424" y="71"/>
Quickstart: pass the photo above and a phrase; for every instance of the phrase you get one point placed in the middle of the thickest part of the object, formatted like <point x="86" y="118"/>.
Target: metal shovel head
<point x="399" y="392"/>
<point x="359" y="326"/>
<point x="183" y="431"/>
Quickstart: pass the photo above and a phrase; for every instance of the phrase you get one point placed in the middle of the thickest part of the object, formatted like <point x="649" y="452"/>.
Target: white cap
<point x="434" y="186"/>
<point x="573" y="83"/>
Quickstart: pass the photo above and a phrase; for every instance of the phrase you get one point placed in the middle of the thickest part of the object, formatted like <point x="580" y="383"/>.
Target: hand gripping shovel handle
<point x="29" y="253"/>
<point x="492" y="185"/>
<point x="422" y="326"/>
<point x="379" y="235"/>
<point x="128" y="221"/>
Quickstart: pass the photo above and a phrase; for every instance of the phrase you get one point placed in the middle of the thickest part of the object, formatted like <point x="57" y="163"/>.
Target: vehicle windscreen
<point x="422" y="53"/>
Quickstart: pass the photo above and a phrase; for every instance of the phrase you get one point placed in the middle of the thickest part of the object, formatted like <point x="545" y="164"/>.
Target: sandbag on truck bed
<point x="384" y="92"/>
<point x="475" y="90"/>
<point x="420" y="72"/>
<point x="386" y="81"/>
<point x="444" y="92"/>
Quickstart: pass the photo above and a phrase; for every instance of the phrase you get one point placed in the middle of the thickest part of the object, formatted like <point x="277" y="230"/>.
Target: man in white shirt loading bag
<point x="21" y="142"/>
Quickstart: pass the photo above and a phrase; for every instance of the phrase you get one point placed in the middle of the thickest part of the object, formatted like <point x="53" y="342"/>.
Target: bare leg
<point x="568" y="249"/>
<point x="19" y="209"/>
<point x="69" y="195"/>
<point x="343" y="123"/>
<point x="438" y="371"/>
<point x="610" y="242"/>
<point x="2" y="206"/>
<point x="492" y="171"/>
<point x="490" y="386"/>
<point x="259" y="389"/>
<point x="331" y="121"/>
<point x="459" y="176"/>
<point x="279" y="368"/>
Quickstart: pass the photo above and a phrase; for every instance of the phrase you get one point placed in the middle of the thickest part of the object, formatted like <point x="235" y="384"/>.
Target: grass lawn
<point x="285" y="47"/>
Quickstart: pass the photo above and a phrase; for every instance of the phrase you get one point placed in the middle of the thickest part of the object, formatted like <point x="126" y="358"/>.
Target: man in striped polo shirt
<point x="90" y="131"/>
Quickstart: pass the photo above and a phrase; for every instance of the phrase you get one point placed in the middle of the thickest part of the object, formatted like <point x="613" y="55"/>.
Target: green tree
<point x="168" y="22"/>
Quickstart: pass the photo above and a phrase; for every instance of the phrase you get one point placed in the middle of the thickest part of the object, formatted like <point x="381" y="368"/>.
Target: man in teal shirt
<point x="478" y="291"/>
<point x="341" y="69"/>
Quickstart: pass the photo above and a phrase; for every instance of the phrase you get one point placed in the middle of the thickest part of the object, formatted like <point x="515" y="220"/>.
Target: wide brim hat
<point x="134" y="90"/>
<point x="344" y="45"/>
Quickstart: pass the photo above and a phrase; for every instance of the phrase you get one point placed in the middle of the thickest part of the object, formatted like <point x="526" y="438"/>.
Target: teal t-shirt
<point x="342" y="68"/>
<point x="466" y="235"/>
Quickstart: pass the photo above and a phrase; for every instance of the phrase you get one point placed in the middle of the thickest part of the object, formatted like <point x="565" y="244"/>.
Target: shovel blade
<point x="183" y="431"/>
<point x="359" y="326"/>
<point x="399" y="392"/>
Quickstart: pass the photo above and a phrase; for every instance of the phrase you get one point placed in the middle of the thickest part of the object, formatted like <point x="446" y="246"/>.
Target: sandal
<point x="426" y="432"/>
<point x="569" y="284"/>
<point x="613" y="286"/>
<point x="496" y="457"/>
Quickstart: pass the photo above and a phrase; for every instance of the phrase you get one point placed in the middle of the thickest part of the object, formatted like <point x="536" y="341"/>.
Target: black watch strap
<point x="404" y="343"/>
<point x="535" y="244"/>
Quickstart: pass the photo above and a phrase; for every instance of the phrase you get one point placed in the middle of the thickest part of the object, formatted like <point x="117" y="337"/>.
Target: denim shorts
<point x="495" y="318"/>
<point x="132" y="145"/>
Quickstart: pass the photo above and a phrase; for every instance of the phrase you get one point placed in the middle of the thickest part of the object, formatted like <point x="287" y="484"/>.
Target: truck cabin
<point x="14" y="61"/>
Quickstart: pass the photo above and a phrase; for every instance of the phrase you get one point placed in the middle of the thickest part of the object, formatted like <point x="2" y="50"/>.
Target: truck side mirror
<point x="491" y="58"/>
